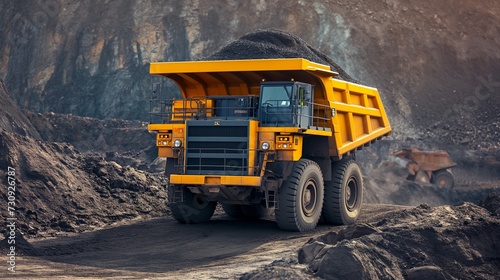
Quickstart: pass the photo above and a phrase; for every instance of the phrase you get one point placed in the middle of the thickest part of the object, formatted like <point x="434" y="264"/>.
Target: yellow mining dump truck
<point x="265" y="135"/>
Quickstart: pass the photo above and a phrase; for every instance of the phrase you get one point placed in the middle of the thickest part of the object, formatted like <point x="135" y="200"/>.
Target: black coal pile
<point x="274" y="43"/>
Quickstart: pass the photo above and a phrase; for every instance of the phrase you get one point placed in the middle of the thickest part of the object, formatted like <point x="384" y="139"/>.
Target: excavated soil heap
<point x="60" y="189"/>
<point x="444" y="242"/>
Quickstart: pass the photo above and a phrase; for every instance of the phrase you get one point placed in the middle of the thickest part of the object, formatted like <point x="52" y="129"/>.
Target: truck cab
<point x="286" y="104"/>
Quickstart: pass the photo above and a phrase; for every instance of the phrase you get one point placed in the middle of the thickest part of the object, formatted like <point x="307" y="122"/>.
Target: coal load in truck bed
<point x="273" y="43"/>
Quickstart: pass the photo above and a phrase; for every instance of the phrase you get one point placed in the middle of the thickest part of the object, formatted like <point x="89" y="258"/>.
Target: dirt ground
<point x="163" y="248"/>
<point x="389" y="241"/>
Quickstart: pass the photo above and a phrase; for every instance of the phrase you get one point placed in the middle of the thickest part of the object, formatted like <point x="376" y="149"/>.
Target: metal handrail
<point x="162" y="111"/>
<point x="196" y="108"/>
<point x="320" y="117"/>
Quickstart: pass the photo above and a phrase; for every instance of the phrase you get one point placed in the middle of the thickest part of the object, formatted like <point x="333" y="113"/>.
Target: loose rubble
<point x="443" y="242"/>
<point x="61" y="190"/>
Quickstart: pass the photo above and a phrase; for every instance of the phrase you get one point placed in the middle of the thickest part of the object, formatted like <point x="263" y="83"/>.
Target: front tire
<point x="301" y="197"/>
<point x="193" y="209"/>
<point x="344" y="194"/>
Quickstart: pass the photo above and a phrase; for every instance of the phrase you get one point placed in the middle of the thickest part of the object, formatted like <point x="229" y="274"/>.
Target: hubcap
<point x="442" y="182"/>
<point x="309" y="197"/>
<point x="351" y="195"/>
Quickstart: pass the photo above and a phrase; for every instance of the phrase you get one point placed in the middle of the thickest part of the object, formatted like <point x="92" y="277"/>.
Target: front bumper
<point x="215" y="180"/>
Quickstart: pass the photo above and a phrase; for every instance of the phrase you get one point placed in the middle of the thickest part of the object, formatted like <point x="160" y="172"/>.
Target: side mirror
<point x="156" y="89"/>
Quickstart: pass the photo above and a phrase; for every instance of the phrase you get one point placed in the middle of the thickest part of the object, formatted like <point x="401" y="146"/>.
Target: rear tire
<point x="301" y="197"/>
<point x="344" y="194"/>
<point x="256" y="211"/>
<point x="232" y="210"/>
<point x="193" y="209"/>
<point x="251" y="212"/>
<point x="443" y="178"/>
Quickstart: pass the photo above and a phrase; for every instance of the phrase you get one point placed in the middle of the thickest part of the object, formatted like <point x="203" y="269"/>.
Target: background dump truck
<point x="265" y="135"/>
<point x="428" y="166"/>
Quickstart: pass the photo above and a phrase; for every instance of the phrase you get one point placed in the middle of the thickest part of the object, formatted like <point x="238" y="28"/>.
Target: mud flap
<point x="170" y="167"/>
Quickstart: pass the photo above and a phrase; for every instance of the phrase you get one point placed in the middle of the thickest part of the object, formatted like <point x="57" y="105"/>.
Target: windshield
<point x="276" y="95"/>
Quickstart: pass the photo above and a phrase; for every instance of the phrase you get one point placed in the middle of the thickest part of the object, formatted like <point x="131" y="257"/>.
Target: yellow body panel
<point x="252" y="146"/>
<point x="236" y="77"/>
<point x="175" y="131"/>
<point x="182" y="108"/>
<point x="247" y="65"/>
<point x="214" y="180"/>
<point x="359" y="115"/>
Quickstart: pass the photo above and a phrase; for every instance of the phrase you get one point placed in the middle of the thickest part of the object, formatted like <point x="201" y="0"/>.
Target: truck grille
<point x="217" y="147"/>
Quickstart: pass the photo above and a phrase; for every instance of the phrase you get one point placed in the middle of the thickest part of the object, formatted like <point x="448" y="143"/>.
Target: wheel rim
<point x="309" y="198"/>
<point x="351" y="193"/>
<point x="442" y="182"/>
<point x="199" y="203"/>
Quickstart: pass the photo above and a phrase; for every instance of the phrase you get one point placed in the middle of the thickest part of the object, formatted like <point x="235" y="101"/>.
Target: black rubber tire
<point x="344" y="194"/>
<point x="193" y="209"/>
<point x="443" y="178"/>
<point x="232" y="210"/>
<point x="301" y="197"/>
<point x="255" y="212"/>
<point x="410" y="178"/>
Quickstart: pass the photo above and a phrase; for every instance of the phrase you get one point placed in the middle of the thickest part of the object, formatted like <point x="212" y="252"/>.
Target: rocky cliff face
<point x="431" y="60"/>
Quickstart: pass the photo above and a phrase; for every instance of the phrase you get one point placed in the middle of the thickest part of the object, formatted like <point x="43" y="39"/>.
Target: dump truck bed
<point x="356" y="116"/>
<point x="426" y="160"/>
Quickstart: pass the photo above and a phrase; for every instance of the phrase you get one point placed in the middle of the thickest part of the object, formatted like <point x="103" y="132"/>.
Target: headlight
<point x="177" y="143"/>
<point x="265" y="146"/>
<point x="164" y="143"/>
